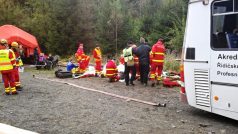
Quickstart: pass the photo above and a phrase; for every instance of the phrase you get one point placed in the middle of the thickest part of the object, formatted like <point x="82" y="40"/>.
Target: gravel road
<point x="54" y="108"/>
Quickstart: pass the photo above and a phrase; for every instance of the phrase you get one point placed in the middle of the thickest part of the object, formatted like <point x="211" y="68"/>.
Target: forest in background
<point x="60" y="24"/>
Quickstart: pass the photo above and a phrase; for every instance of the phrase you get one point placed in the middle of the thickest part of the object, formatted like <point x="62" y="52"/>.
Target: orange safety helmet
<point x="14" y="44"/>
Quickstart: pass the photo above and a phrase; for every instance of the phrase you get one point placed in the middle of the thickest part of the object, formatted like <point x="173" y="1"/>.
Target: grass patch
<point x="170" y="63"/>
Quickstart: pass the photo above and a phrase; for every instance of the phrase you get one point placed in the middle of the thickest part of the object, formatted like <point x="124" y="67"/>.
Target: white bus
<point x="210" y="59"/>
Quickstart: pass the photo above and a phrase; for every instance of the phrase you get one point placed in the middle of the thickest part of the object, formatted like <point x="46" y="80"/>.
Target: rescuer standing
<point x="97" y="55"/>
<point x="7" y="65"/>
<point x="143" y="52"/>
<point x="157" y="61"/>
<point x="129" y="64"/>
<point x="15" y="49"/>
<point x="83" y="60"/>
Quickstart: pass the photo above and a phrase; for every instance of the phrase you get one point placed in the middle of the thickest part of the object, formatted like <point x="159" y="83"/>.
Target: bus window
<point x="224" y="34"/>
<point x="236" y="5"/>
<point x="223" y="6"/>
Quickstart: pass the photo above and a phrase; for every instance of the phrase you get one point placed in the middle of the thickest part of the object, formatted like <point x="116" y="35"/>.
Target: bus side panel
<point x="226" y="100"/>
<point x="198" y="37"/>
<point x="225" y="113"/>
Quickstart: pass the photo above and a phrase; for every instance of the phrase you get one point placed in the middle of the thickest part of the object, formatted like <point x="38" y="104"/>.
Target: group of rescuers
<point x="138" y="61"/>
<point x="141" y="62"/>
<point x="10" y="61"/>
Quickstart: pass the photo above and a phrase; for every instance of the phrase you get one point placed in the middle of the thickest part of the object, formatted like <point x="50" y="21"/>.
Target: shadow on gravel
<point x="212" y="117"/>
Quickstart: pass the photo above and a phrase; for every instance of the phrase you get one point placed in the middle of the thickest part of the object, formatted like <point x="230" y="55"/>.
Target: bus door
<point x="224" y="55"/>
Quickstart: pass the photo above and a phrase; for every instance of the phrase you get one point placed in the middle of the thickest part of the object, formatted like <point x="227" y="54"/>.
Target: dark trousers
<point x="129" y="69"/>
<point x="144" y="72"/>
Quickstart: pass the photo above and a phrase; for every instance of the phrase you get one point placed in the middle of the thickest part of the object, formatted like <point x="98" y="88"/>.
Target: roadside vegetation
<point x="61" y="24"/>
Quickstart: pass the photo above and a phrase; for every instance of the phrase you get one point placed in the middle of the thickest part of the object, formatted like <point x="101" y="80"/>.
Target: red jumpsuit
<point x="16" y="72"/>
<point x="98" y="60"/>
<point x="7" y="61"/>
<point x="111" y="71"/>
<point x="83" y="60"/>
<point x="157" y="60"/>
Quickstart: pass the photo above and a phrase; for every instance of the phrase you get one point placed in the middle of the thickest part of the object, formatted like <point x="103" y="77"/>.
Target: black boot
<point x="19" y="88"/>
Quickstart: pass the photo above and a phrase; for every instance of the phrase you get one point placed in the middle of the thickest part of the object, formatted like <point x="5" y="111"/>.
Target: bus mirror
<point x="205" y="2"/>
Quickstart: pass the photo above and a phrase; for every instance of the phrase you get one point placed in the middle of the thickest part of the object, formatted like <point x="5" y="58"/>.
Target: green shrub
<point x="170" y="63"/>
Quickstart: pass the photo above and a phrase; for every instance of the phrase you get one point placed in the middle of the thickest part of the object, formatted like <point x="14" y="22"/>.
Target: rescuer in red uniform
<point x="157" y="61"/>
<point x="111" y="70"/>
<point x="83" y="60"/>
<point x="15" y="49"/>
<point x="7" y="65"/>
<point x="97" y="55"/>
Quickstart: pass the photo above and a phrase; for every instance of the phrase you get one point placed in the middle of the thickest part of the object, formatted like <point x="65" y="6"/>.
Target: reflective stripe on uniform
<point x="152" y="76"/>
<point x="159" y="78"/>
<point x="110" y="74"/>
<point x="4" y="63"/>
<point x="13" y="89"/>
<point x="159" y="53"/>
<point x="7" y="90"/>
<point x="158" y="60"/>
<point x="18" y="84"/>
<point x="110" y="69"/>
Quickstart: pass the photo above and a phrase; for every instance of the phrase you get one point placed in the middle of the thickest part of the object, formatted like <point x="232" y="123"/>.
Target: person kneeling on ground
<point x="70" y="65"/>
<point x="111" y="70"/>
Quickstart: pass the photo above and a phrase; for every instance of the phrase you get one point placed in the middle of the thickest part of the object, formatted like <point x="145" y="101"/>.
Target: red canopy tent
<point x="12" y="33"/>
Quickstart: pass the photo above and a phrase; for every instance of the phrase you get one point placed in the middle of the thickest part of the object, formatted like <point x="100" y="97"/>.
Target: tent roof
<point x="12" y="33"/>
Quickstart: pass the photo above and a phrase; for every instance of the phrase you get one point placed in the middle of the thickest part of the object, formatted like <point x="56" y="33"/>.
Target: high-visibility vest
<point x="20" y="62"/>
<point x="97" y="54"/>
<point x="127" y="53"/>
<point x="5" y="62"/>
<point x="18" y="58"/>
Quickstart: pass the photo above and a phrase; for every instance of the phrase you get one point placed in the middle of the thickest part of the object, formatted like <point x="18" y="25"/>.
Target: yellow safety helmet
<point x="3" y="41"/>
<point x="14" y="44"/>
